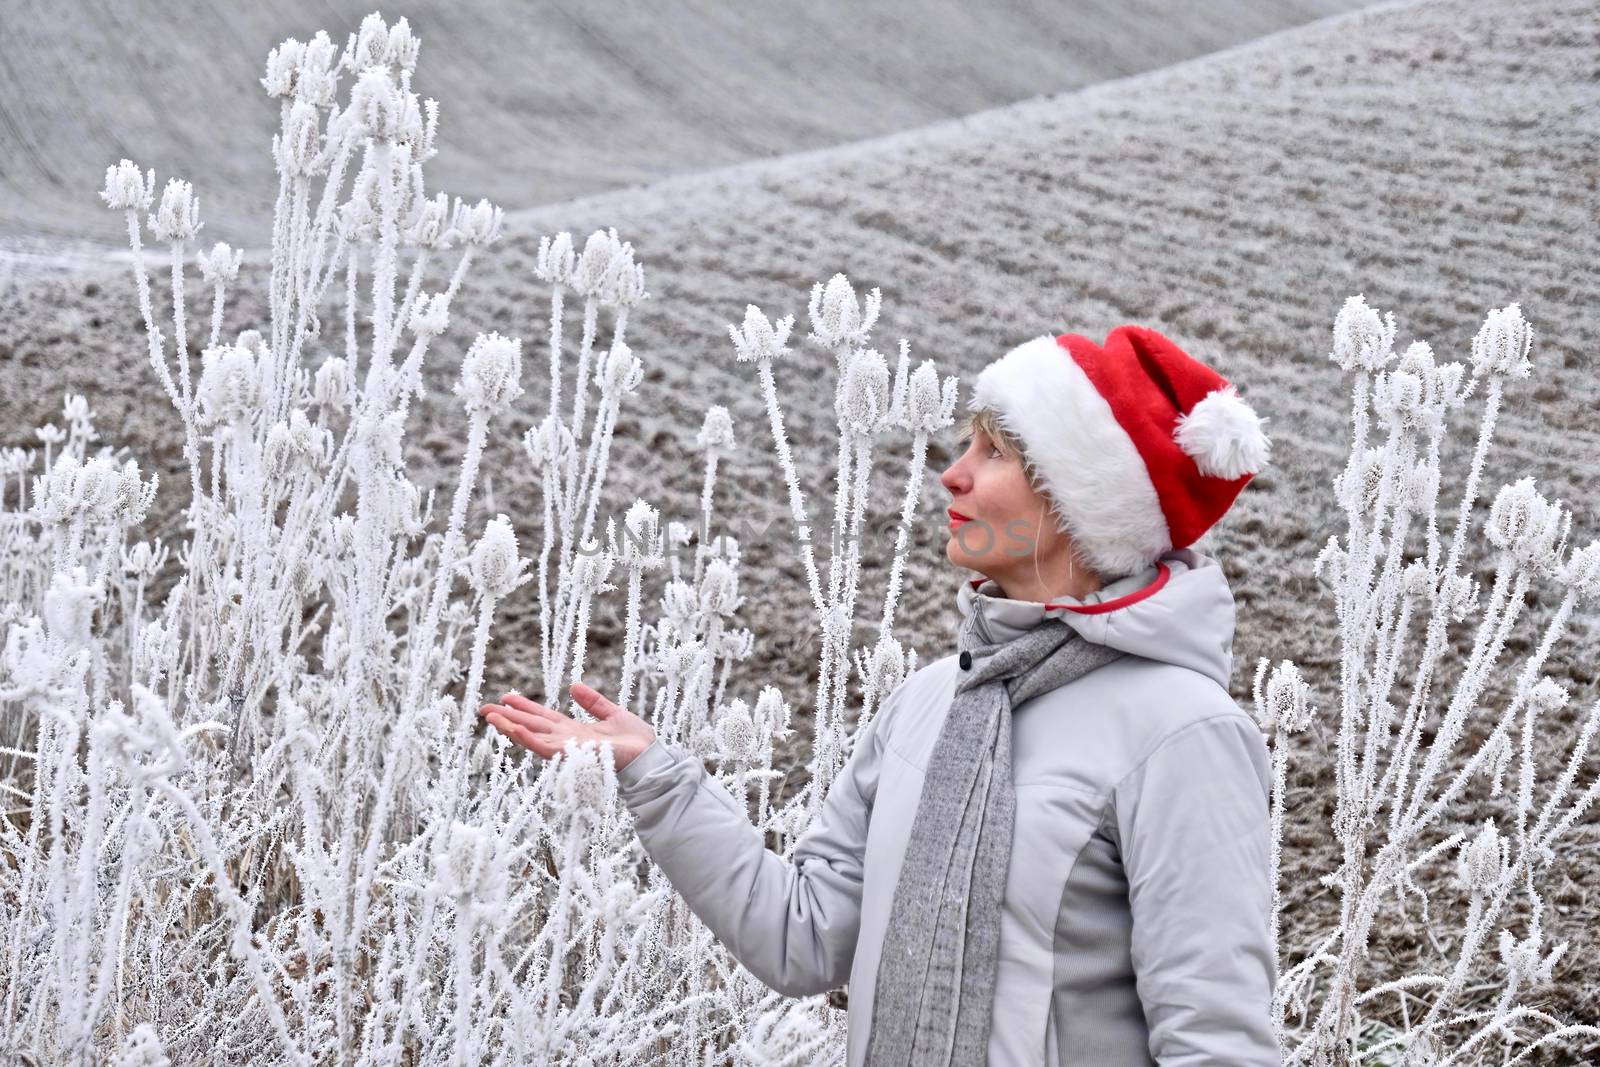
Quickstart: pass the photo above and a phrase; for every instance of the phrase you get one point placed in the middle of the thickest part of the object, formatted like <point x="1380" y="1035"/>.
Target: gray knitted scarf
<point x="934" y="998"/>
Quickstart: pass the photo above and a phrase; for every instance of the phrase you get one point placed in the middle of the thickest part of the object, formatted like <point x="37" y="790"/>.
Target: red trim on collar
<point x="1122" y="601"/>
<point x="1108" y="605"/>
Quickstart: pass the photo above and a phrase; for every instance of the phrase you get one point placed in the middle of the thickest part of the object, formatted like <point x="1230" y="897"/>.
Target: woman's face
<point x="1006" y="520"/>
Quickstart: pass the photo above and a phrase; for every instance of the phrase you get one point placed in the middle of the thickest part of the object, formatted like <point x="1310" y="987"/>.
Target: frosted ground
<point x="1441" y="157"/>
<point x="544" y="102"/>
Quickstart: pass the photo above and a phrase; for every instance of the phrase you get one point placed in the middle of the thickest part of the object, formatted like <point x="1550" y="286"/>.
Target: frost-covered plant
<point x="1398" y="782"/>
<point x="254" y="819"/>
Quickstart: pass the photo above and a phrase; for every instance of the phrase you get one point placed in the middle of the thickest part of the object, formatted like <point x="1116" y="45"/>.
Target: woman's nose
<point x="952" y="478"/>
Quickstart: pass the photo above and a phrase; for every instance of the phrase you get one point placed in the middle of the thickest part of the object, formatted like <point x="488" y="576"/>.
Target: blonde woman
<point x="1050" y="846"/>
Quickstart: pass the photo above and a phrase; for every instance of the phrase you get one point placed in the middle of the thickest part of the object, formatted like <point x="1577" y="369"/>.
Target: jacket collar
<point x="1177" y="610"/>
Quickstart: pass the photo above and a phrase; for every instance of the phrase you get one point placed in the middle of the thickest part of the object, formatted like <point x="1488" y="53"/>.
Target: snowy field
<point x="1440" y="157"/>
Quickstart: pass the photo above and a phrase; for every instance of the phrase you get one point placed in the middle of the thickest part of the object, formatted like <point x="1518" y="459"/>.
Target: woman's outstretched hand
<point x="544" y="731"/>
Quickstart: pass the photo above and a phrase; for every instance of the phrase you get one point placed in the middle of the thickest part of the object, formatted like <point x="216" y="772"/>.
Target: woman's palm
<point x="545" y="731"/>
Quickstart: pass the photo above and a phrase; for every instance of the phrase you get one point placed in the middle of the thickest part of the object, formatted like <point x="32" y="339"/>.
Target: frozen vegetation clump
<point x="255" y="821"/>
<point x="1403" y="771"/>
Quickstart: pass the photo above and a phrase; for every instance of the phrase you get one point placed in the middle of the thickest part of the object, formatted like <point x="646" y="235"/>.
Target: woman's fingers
<point x="531" y="707"/>
<point x="590" y="700"/>
<point x="532" y="721"/>
<point x="543" y="745"/>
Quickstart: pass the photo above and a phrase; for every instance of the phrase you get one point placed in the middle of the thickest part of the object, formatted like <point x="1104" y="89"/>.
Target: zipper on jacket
<point x="983" y="627"/>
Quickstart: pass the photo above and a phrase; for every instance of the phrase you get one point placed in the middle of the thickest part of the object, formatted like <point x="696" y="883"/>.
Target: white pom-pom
<point x="1224" y="436"/>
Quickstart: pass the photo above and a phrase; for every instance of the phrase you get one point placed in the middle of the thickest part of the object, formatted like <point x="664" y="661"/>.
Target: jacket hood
<point x="1177" y="610"/>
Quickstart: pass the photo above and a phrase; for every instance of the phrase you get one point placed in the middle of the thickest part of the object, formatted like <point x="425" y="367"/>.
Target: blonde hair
<point x="986" y="422"/>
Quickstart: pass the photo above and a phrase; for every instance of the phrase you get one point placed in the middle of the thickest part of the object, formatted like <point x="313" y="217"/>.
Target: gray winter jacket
<point x="1136" y="926"/>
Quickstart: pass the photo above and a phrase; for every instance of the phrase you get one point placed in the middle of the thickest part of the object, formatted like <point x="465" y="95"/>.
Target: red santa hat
<point x="1140" y="447"/>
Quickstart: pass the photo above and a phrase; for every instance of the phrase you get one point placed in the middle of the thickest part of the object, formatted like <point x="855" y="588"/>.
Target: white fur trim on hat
<point x="1087" y="464"/>
<point x="1224" y="436"/>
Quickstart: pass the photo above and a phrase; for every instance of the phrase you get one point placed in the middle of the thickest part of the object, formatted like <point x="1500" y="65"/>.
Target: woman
<point x="1052" y="845"/>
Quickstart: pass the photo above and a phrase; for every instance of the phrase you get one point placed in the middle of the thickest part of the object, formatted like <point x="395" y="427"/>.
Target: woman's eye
<point x="995" y="453"/>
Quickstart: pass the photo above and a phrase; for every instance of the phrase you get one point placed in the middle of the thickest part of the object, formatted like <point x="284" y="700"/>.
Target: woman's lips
<point x="956" y="518"/>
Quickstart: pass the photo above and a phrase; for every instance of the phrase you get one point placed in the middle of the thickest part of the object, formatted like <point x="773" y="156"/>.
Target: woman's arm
<point x="793" y="925"/>
<point x="1194" y="829"/>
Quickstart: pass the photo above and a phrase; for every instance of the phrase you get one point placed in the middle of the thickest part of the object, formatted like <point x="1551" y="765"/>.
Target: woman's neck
<point x="1043" y="588"/>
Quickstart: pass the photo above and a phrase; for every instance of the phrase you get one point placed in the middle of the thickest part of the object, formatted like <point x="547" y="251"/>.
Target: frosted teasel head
<point x="1416" y="581"/>
<point x="69" y="606"/>
<point x="283" y="68"/>
<point x="583" y="780"/>
<point x="430" y="225"/>
<point x="430" y="314"/>
<point x="316" y="82"/>
<point x="1358" y="485"/>
<point x="297" y="148"/>
<point x="591" y="566"/>
<point x="594" y="266"/>
<point x="356" y="220"/>
<point x="678" y="661"/>
<point x="1417" y="486"/>
<point x="679" y="603"/>
<point x="1502" y="342"/>
<point x="888" y="665"/>
<point x="402" y="46"/>
<point x="333" y="384"/>
<point x="930" y="407"/>
<point x="469" y="867"/>
<point x="1416" y="394"/>
<point x="759" y="339"/>
<point x="178" y="216"/>
<point x="296" y="446"/>
<point x="1547" y="695"/>
<point x="619" y="372"/>
<point x="50" y="434"/>
<point x="1482" y="860"/>
<point x="716" y="432"/>
<point x="556" y="261"/>
<point x="862" y="400"/>
<point x="230" y="386"/>
<point x="1581" y="572"/>
<point x="28" y="663"/>
<point x="735" y="731"/>
<point x="14" y="461"/>
<point x="838" y="319"/>
<point x="623" y="283"/>
<point x="1459" y="595"/>
<point x="494" y="569"/>
<point x="719" y="588"/>
<point x="642" y="544"/>
<point x="376" y="447"/>
<point x="1362" y="339"/>
<point x="126" y="189"/>
<point x="478" y="225"/>
<point x="772" y="711"/>
<point x="724" y="547"/>
<point x="548" y="443"/>
<point x="142" y="1048"/>
<point x="377" y="105"/>
<point x="491" y="374"/>
<point x="1524" y="525"/>
<point x="417" y="132"/>
<point x="733" y="644"/>
<point x="369" y="45"/>
<point x="94" y="491"/>
<point x="220" y="266"/>
<point x="1284" y="705"/>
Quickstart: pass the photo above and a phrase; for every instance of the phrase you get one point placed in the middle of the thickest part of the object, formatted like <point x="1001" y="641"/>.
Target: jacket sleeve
<point x="792" y="925"/>
<point x="1195" y="833"/>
